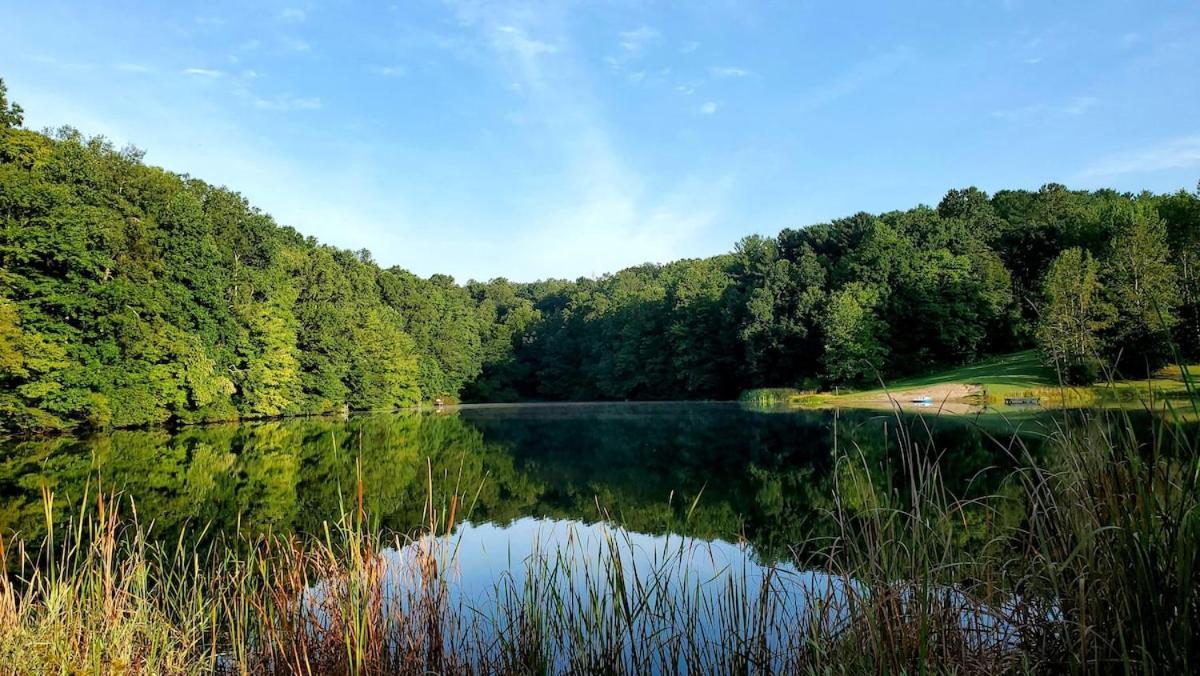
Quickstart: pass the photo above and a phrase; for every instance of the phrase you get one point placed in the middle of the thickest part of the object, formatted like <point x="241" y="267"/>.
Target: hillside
<point x="130" y="295"/>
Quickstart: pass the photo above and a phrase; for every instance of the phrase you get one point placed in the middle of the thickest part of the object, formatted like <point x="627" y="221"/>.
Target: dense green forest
<point x="130" y="295"/>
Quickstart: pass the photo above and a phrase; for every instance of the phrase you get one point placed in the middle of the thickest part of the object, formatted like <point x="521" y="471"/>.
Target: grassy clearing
<point x="987" y="384"/>
<point x="1087" y="563"/>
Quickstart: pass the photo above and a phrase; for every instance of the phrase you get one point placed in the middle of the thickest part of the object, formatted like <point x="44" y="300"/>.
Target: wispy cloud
<point x="388" y="71"/>
<point x="293" y="14"/>
<point x="514" y="38"/>
<point x="688" y="47"/>
<point x="601" y="213"/>
<point x="295" y="44"/>
<point x="634" y="40"/>
<point x="133" y="68"/>
<point x="708" y="107"/>
<point x="1177" y="153"/>
<point x="730" y="71"/>
<point x="53" y="62"/>
<point x="857" y="77"/>
<point x="203" y="72"/>
<point x="287" y="103"/>
<point x="1080" y="105"/>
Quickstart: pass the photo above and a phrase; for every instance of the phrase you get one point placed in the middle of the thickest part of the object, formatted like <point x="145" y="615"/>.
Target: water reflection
<point x="596" y="596"/>
<point x="712" y="471"/>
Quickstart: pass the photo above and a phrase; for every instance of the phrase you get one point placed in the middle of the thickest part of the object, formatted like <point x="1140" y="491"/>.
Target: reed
<point x="1085" y="563"/>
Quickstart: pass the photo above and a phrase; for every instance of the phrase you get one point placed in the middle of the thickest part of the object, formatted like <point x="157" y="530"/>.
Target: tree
<point x="383" y="371"/>
<point x="780" y="319"/>
<point x="1181" y="213"/>
<point x="28" y="366"/>
<point x="269" y="379"/>
<point x="11" y="115"/>
<point x="855" y="338"/>
<point x="441" y="318"/>
<point x="1073" y="317"/>
<point x="1141" y="284"/>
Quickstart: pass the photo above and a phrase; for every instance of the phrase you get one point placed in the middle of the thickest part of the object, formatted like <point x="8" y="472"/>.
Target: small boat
<point x="922" y="400"/>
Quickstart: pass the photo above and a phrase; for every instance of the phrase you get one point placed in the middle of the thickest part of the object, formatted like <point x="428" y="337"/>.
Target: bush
<point x="1083" y="371"/>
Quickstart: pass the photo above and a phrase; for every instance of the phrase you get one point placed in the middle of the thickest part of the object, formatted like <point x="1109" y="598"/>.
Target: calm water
<point x="757" y="477"/>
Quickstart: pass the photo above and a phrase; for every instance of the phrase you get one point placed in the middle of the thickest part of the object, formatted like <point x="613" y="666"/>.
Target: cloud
<point x="287" y="103"/>
<point x="515" y="39"/>
<point x="633" y="41"/>
<point x="857" y="77"/>
<point x="1178" y="153"/>
<point x="389" y="71"/>
<point x="1080" y="105"/>
<point x="1021" y="113"/>
<point x="295" y="44"/>
<point x="133" y="68"/>
<point x="293" y="14"/>
<point x="1129" y="40"/>
<point x="708" y="108"/>
<point x="730" y="71"/>
<point x="203" y="72"/>
<point x="598" y="212"/>
<point x="61" y="65"/>
<point x="688" y="47"/>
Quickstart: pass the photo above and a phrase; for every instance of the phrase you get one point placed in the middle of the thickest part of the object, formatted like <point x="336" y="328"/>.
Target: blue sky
<point x="562" y="139"/>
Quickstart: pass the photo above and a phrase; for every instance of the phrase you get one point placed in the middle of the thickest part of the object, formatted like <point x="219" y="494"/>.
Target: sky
<point x="566" y="139"/>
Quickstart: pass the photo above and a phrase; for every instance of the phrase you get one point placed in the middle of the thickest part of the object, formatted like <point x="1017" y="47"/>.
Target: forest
<point x="133" y="296"/>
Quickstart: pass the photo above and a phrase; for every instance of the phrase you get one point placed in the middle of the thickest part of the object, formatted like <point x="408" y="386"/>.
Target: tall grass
<point x="1083" y="563"/>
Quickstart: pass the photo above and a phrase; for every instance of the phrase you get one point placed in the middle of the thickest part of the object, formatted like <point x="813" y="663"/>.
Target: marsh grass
<point x="1085" y="562"/>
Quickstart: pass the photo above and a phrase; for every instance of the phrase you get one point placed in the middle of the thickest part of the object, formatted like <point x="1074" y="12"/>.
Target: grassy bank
<point x="990" y="383"/>
<point x="1086" y="563"/>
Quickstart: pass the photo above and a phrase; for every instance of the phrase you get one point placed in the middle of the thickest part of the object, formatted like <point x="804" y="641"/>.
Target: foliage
<point x="1073" y="316"/>
<point x="132" y="296"/>
<point x="855" y="344"/>
<point x="11" y="115"/>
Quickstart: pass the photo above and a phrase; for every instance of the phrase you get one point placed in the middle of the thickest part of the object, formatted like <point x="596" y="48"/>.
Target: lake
<point x="712" y="471"/>
<point x="702" y="516"/>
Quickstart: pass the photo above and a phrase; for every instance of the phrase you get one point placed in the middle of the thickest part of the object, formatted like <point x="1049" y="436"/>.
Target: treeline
<point x="1097" y="280"/>
<point x="131" y="296"/>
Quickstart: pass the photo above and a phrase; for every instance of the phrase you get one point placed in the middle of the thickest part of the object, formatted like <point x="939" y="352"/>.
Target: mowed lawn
<point x="1018" y="370"/>
<point x="1019" y="374"/>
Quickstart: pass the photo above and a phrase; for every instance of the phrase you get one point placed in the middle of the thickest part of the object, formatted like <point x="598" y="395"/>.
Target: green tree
<point x="383" y="372"/>
<point x="11" y="114"/>
<point x="1181" y="213"/>
<point x="855" y="337"/>
<point x="28" y="365"/>
<point x="1073" y="317"/>
<point x="1141" y="284"/>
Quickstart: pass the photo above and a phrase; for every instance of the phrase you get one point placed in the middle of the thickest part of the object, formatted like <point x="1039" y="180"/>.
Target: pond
<point x="701" y="516"/>
<point x="712" y="471"/>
